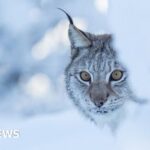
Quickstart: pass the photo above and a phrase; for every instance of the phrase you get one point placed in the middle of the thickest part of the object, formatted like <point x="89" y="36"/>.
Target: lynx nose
<point x="99" y="94"/>
<point x="99" y="101"/>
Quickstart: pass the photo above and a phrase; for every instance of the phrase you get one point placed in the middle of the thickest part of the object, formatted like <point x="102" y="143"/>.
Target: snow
<point x="69" y="130"/>
<point x="34" y="51"/>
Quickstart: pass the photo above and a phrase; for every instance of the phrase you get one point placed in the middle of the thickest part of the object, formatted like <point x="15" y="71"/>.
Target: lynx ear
<point x="77" y="37"/>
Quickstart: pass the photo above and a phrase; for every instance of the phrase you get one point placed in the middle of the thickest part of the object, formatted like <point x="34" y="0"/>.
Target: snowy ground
<point x="38" y="105"/>
<point x="70" y="131"/>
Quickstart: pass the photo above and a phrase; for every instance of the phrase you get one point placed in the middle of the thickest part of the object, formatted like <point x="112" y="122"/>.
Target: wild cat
<point x="96" y="80"/>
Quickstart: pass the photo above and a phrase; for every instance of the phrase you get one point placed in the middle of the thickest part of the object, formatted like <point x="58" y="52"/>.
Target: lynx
<point x="96" y="80"/>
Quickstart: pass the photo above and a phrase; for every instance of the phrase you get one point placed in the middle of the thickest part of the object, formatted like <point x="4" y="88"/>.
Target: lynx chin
<point x="96" y="80"/>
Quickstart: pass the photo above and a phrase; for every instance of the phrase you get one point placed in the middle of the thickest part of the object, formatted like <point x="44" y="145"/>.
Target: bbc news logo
<point x="11" y="133"/>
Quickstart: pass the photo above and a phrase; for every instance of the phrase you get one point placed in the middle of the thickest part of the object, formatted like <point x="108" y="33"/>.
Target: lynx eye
<point x="85" y="76"/>
<point x="116" y="75"/>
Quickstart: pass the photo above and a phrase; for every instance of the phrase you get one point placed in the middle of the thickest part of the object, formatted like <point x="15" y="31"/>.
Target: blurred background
<point x="34" y="51"/>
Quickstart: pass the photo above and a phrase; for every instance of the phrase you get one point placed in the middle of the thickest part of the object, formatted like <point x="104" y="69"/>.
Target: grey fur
<point x="99" y="59"/>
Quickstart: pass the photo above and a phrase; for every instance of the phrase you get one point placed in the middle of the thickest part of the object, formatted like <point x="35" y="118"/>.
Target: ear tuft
<point x="77" y="37"/>
<point x="68" y="16"/>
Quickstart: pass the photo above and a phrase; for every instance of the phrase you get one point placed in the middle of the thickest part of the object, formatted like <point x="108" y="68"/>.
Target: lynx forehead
<point x="95" y="79"/>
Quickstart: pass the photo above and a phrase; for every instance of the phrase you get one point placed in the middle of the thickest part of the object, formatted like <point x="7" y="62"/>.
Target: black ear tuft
<point x="77" y="37"/>
<point x="68" y="16"/>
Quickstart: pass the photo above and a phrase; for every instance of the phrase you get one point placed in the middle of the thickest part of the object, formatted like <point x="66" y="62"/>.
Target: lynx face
<point x="95" y="79"/>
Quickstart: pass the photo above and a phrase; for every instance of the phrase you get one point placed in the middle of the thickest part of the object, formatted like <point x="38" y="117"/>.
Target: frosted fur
<point x="96" y="55"/>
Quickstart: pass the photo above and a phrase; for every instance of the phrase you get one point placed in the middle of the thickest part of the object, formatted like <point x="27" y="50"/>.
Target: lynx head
<point x="95" y="79"/>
